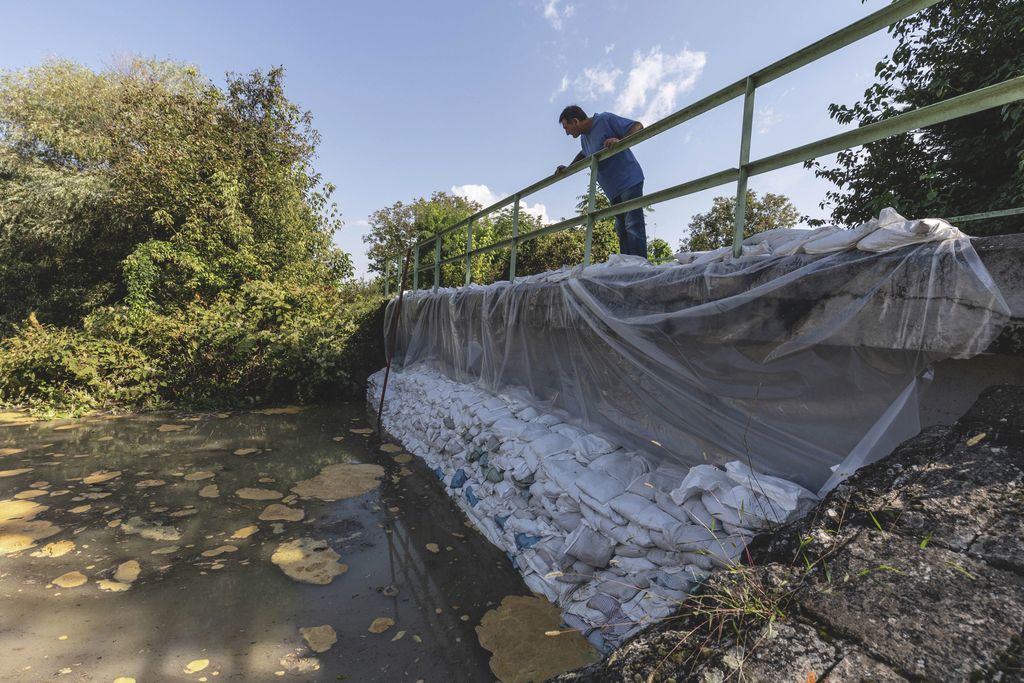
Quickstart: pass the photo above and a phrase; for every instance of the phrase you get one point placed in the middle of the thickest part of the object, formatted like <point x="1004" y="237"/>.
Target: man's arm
<point x="561" y="169"/>
<point x="636" y="127"/>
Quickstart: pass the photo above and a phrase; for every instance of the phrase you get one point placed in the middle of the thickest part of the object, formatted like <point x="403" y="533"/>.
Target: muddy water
<point x="82" y="501"/>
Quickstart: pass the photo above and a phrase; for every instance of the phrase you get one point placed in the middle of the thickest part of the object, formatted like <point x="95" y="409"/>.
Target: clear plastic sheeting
<point x="805" y="366"/>
<point x="612" y="537"/>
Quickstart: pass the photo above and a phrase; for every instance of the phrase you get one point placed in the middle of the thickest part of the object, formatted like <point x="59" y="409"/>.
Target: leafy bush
<point x="53" y="369"/>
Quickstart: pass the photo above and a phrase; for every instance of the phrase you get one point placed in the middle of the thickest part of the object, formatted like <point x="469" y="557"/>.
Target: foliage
<point x="659" y="250"/>
<point x="147" y="181"/>
<point x="176" y="242"/>
<point x="66" y="370"/>
<point x="967" y="165"/>
<point x="714" y="229"/>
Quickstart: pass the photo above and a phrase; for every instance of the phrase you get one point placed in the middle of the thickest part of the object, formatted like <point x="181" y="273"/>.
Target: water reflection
<point x="156" y="499"/>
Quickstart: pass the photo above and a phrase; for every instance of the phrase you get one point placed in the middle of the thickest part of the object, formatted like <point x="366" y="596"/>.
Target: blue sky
<point x="413" y="97"/>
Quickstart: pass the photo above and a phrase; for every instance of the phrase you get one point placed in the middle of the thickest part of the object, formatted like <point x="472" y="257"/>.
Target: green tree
<point x="714" y="229"/>
<point x="659" y="250"/>
<point x="147" y="183"/>
<point x="971" y="164"/>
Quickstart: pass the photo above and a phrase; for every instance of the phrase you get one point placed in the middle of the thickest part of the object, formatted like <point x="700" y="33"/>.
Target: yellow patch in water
<point x="433" y="547"/>
<point x="113" y="524"/>
<point x="152" y="532"/>
<point x="196" y="665"/>
<point x="19" y="530"/>
<point x="101" y="476"/>
<point x="112" y="586"/>
<point x="404" y="472"/>
<point x="245" y="532"/>
<point x="338" y="438"/>
<point x="64" y="428"/>
<point x="308" y="560"/>
<point x="80" y="509"/>
<point x="15" y="472"/>
<point x="319" y="638"/>
<point x="361" y="430"/>
<point x="390" y="448"/>
<point x="198" y="476"/>
<point x="403" y="458"/>
<point x="398" y="636"/>
<point x="31" y="493"/>
<point x="515" y="633"/>
<point x="167" y="550"/>
<point x="124" y="679"/>
<point x="219" y="550"/>
<point x="257" y="494"/>
<point x="149" y="483"/>
<point x="59" y="492"/>
<point x="9" y="418"/>
<point x="184" y="513"/>
<point x="381" y="624"/>
<point x="247" y="451"/>
<point x="55" y="549"/>
<point x="337" y="482"/>
<point x="209" y="491"/>
<point x="275" y="512"/>
<point x="11" y="451"/>
<point x="172" y="428"/>
<point x="70" y="580"/>
<point x="286" y="410"/>
<point x="105" y="438"/>
<point x="127" y="571"/>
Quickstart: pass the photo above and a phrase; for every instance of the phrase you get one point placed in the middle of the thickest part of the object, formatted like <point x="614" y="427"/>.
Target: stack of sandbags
<point x="613" y="537"/>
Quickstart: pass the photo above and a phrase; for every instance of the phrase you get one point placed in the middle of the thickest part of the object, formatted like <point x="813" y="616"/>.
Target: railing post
<point x="515" y="240"/>
<point x="741" y="181"/>
<point x="437" y="262"/>
<point x="387" y="277"/>
<point x="469" y="248"/>
<point x="591" y="205"/>
<point x="416" y="267"/>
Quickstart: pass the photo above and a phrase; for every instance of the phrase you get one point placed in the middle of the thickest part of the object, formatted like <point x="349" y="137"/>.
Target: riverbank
<point x="911" y="570"/>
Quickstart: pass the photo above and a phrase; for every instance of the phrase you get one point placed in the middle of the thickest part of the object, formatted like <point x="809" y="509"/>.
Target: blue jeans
<point x="630" y="225"/>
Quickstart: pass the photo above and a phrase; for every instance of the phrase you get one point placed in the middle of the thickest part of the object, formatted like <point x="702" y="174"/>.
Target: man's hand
<point x="610" y="142"/>
<point x="560" y="170"/>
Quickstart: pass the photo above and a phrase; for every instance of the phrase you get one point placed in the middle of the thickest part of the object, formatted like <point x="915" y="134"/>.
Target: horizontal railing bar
<point x="681" y="190"/>
<point x="847" y="35"/>
<point x="988" y="214"/>
<point x="961" y="105"/>
<point x="850" y="34"/>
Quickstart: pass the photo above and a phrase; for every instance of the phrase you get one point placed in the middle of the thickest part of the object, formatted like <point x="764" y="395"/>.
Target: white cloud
<point x="555" y="17"/>
<point x="485" y="196"/>
<point x="592" y="83"/>
<point x="609" y="48"/>
<point x="656" y="80"/>
<point x="765" y="118"/>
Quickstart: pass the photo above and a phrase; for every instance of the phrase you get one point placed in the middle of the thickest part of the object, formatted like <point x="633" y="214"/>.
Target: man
<point x="620" y="176"/>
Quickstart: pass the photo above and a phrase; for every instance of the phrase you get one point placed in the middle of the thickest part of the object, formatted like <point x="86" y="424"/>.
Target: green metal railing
<point x="985" y="98"/>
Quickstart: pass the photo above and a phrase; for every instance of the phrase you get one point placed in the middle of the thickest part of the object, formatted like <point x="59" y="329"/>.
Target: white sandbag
<point x="788" y="495"/>
<point x="641" y="511"/>
<point x="633" y="565"/>
<point x="548" y="445"/>
<point x="699" y="479"/>
<point x="720" y="511"/>
<point x="905" y="233"/>
<point x="599" y="486"/>
<point x="686" y="537"/>
<point x="589" y="546"/>
<point x="590" y="446"/>
<point x="833" y="241"/>
<point x="621" y="465"/>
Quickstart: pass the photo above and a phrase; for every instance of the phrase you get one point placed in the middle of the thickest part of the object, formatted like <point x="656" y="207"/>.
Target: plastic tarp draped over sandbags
<point x="805" y="366"/>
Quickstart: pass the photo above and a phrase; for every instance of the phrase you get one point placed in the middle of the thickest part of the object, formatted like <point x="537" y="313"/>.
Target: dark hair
<point x="572" y="112"/>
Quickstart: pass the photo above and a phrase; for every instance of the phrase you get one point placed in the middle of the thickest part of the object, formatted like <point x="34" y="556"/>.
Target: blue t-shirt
<point x="620" y="172"/>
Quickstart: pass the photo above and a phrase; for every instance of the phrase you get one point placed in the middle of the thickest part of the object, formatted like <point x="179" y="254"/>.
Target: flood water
<point x="205" y="602"/>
